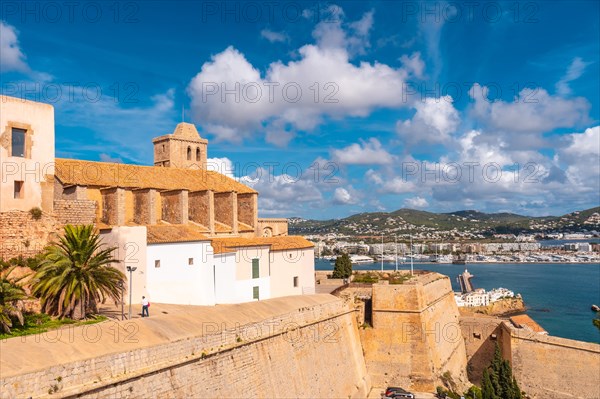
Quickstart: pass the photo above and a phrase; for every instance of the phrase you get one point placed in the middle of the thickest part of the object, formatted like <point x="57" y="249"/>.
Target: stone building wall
<point x="144" y="207"/>
<point x="113" y="206"/>
<point x="175" y="206"/>
<point x="272" y="227"/>
<point x="201" y="210"/>
<point x="480" y="333"/>
<point x="304" y="347"/>
<point x="22" y="235"/>
<point x="224" y="209"/>
<point x="415" y="337"/>
<point x="75" y="211"/>
<point x="247" y="209"/>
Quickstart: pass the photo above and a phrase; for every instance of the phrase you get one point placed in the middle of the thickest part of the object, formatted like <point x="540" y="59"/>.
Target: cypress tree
<point x="343" y="267"/>
<point x="516" y="389"/>
<point x="487" y="389"/>
<point x="505" y="381"/>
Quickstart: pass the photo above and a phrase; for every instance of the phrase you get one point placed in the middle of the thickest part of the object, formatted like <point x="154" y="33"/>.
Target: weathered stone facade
<point x="113" y="206"/>
<point x="75" y="211"/>
<point x="144" y="206"/>
<point x="175" y="206"/>
<point x="22" y="235"/>
<point x="201" y="209"/>
<point x="272" y="227"/>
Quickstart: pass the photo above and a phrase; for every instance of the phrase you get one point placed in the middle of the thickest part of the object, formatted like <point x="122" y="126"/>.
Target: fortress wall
<point x="415" y="336"/>
<point x="304" y="346"/>
<point x="480" y="334"/>
<point x="554" y="368"/>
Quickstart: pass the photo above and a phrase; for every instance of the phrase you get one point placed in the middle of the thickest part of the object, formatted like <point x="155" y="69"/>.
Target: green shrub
<point x="36" y="213"/>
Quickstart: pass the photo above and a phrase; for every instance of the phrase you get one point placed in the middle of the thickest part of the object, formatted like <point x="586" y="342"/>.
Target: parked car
<point x="397" y="393"/>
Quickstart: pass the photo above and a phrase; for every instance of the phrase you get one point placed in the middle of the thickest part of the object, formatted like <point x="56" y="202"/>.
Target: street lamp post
<point x="130" y="269"/>
<point x="122" y="286"/>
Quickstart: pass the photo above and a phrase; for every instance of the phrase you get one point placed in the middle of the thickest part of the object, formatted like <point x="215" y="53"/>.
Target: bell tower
<point x="184" y="148"/>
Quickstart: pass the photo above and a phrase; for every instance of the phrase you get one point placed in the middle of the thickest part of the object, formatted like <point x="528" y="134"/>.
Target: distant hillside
<point x="467" y="221"/>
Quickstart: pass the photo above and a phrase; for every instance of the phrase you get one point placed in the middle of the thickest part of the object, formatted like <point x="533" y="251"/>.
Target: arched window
<point x="197" y="154"/>
<point x="189" y="154"/>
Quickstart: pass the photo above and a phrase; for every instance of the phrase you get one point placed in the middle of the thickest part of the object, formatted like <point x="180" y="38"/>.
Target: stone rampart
<point x="551" y="367"/>
<point x="415" y="337"/>
<point x="304" y="346"/>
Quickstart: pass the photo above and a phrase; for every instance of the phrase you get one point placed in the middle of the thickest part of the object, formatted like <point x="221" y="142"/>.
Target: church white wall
<point x="230" y="287"/>
<point x="176" y="281"/>
<point x="130" y="250"/>
<point x="285" y="265"/>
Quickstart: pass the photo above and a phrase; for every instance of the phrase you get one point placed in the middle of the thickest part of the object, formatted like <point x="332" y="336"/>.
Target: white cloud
<point x="416" y="202"/>
<point x="11" y="56"/>
<point x="434" y="122"/>
<point x="341" y="196"/>
<point x="286" y="94"/>
<point x="532" y="111"/>
<point x="283" y="194"/>
<point x="586" y="143"/>
<point x="413" y="64"/>
<point x="221" y="165"/>
<point x="366" y="153"/>
<point x="582" y="160"/>
<point x="574" y="71"/>
<point x="274" y="37"/>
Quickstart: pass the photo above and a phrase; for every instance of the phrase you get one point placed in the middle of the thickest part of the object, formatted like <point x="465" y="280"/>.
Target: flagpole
<point x="382" y="252"/>
<point x="411" y="256"/>
<point x="396" y="247"/>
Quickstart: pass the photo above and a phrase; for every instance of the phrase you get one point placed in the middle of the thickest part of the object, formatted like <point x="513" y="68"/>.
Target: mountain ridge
<point x="407" y="219"/>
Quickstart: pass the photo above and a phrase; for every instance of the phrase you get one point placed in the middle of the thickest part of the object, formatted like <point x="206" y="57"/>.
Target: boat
<point x="459" y="261"/>
<point x="361" y="259"/>
<point x="595" y="308"/>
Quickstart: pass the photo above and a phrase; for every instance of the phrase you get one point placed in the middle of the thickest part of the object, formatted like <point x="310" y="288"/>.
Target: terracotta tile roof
<point x="105" y="174"/>
<point x="524" y="320"/>
<point x="276" y="243"/>
<point x="158" y="234"/>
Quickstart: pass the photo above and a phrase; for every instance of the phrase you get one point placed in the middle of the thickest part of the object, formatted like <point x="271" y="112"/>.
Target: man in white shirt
<point x="145" y="305"/>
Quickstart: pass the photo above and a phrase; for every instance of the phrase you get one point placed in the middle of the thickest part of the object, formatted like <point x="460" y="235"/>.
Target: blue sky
<point x="330" y="109"/>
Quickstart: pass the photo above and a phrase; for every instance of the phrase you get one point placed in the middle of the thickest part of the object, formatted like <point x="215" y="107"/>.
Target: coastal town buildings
<point x="186" y="234"/>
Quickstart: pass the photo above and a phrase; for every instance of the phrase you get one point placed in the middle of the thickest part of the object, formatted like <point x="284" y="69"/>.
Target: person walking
<point x="145" y="306"/>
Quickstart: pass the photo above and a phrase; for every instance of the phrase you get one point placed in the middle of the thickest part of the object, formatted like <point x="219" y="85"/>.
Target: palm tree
<point x="76" y="272"/>
<point x="11" y="296"/>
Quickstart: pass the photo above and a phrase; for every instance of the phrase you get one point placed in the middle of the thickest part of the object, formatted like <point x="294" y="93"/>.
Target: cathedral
<point x="192" y="234"/>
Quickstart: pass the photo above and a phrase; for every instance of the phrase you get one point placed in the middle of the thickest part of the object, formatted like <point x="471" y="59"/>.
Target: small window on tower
<point x="197" y="154"/>
<point x="190" y="261"/>
<point x="18" y="142"/>
<point x="18" y="193"/>
<point x="189" y="154"/>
